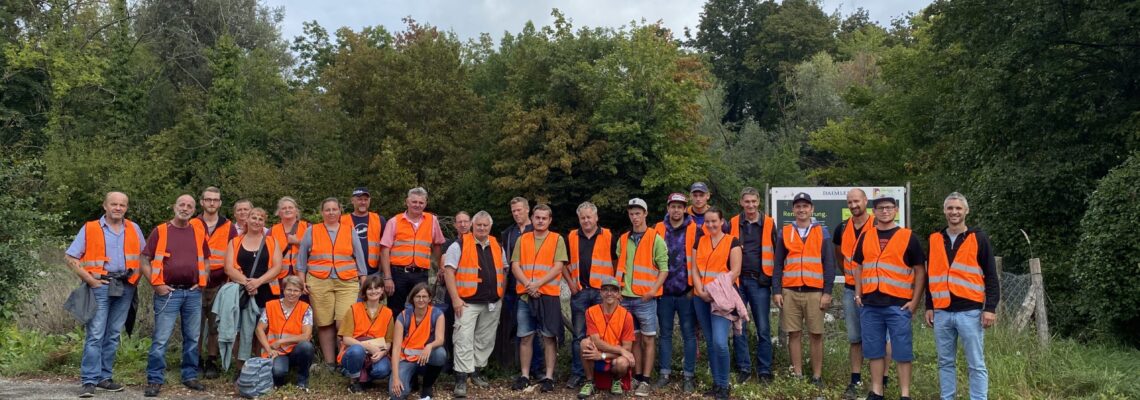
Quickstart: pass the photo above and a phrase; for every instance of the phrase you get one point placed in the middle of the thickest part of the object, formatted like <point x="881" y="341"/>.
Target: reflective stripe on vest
<point x="95" y="256"/>
<point x="601" y="259"/>
<point x="270" y="247"/>
<point x="412" y="245"/>
<point x="280" y="327"/>
<point x="885" y="270"/>
<point x="289" y="253"/>
<point x="690" y="241"/>
<point x="217" y="242"/>
<point x="712" y="261"/>
<point x="767" y="248"/>
<point x="372" y="237"/>
<point x="850" y="240"/>
<point x="416" y="335"/>
<point x="803" y="266"/>
<point x="467" y="272"/>
<point x="364" y="327"/>
<point x="325" y="257"/>
<point x="536" y="263"/>
<point x="161" y="253"/>
<point x="962" y="278"/>
<point x="644" y="269"/>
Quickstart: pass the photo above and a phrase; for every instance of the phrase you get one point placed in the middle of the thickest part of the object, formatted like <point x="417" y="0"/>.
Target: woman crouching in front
<point x="417" y="347"/>
<point x="284" y="331"/>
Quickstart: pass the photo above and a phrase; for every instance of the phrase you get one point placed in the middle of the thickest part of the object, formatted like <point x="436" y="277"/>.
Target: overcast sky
<point x="469" y="18"/>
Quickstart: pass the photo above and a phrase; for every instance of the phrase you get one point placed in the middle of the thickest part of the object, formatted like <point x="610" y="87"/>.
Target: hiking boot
<point x="766" y="378"/>
<point x="852" y="391"/>
<point x="520" y="383"/>
<point x="873" y="396"/>
<point x="193" y="384"/>
<point x="574" y="382"/>
<point x="109" y="385"/>
<point x="88" y="390"/>
<point x="723" y="394"/>
<point x="661" y="383"/>
<point x="688" y="385"/>
<point x="460" y="390"/>
<point x="479" y="380"/>
<point x="642" y="389"/>
<point x="355" y="387"/>
<point x="615" y="388"/>
<point x="743" y="377"/>
<point x="210" y="368"/>
<point x="152" y="389"/>
<point x="587" y="390"/>
<point x="816" y="381"/>
<point x="547" y="384"/>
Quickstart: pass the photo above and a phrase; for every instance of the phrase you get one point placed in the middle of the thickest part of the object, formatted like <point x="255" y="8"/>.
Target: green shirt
<point x="660" y="257"/>
<point x="559" y="250"/>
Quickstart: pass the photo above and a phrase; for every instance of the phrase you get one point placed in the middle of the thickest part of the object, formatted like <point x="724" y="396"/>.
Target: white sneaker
<point x="425" y="398"/>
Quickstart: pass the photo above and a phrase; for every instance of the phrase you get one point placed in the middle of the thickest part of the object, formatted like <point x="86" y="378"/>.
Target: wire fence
<point x="1014" y="290"/>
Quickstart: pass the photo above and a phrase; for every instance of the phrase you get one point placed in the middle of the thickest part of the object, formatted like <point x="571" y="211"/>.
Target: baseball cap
<point x="677" y="197"/>
<point x="892" y="200"/>
<point x="801" y="196"/>
<point x="360" y="191"/>
<point x="637" y="202"/>
<point x="610" y="281"/>
<point x="699" y="187"/>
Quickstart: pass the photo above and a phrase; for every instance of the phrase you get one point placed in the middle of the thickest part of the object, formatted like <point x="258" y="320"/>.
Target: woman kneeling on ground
<point x="417" y="346"/>
<point x="284" y="331"/>
<point x="365" y="336"/>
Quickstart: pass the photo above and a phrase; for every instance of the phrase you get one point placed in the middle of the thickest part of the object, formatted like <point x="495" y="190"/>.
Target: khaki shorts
<point x="800" y="307"/>
<point x="331" y="298"/>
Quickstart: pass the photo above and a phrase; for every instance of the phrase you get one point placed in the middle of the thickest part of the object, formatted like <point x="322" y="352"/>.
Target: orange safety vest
<point x="160" y="255"/>
<point x="850" y="239"/>
<point x="95" y="253"/>
<point x="375" y="328"/>
<point x="712" y="261"/>
<point x="270" y="247"/>
<point x="372" y="237"/>
<point x="601" y="260"/>
<point x="767" y="251"/>
<point x="280" y="326"/>
<point x="613" y="326"/>
<point x="217" y="242"/>
<point x="885" y="270"/>
<point x="803" y="266"/>
<point x="289" y="255"/>
<point x="690" y="241"/>
<point x="412" y="246"/>
<point x="326" y="256"/>
<point x="536" y="263"/>
<point x="963" y="277"/>
<point x="416" y="336"/>
<point x="467" y="272"/>
<point x="644" y="269"/>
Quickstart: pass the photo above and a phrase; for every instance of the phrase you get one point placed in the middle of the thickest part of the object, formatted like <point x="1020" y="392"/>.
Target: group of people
<point x="363" y="282"/>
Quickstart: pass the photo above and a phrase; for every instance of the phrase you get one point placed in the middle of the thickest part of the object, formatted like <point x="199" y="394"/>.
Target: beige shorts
<point x="801" y="308"/>
<point x="331" y="298"/>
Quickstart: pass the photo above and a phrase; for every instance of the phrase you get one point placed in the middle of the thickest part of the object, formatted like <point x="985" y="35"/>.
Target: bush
<point x="24" y="231"/>
<point x="1108" y="257"/>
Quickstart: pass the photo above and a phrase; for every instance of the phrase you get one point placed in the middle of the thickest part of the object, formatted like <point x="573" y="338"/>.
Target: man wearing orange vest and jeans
<point x="409" y="243"/>
<point x="847" y="234"/>
<point x="476" y="275"/>
<point x="888" y="285"/>
<point x="757" y="234"/>
<point x="219" y="232"/>
<point x="591" y="259"/>
<point x="176" y="251"/>
<point x="105" y="255"/>
<point x="961" y="298"/>
<point x="368" y="226"/>
<point x="802" y="279"/>
<point x="680" y="233"/>
<point x="643" y="266"/>
<point x="537" y="263"/>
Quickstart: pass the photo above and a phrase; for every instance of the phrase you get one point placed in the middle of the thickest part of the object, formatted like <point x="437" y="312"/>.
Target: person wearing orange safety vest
<point x="961" y="297"/>
<point x="409" y="244"/>
<point x="417" y="345"/>
<point x="537" y="263"/>
<point x="608" y="346"/>
<point x="475" y="272"/>
<point x="368" y="226"/>
<point x="176" y="253"/>
<point x="889" y="282"/>
<point x="757" y="234"/>
<point x="680" y="233"/>
<point x="105" y="256"/>
<point x="642" y="267"/>
<point x="366" y="334"/>
<point x="847" y="233"/>
<point x="802" y="280"/>
<point x="285" y="330"/>
<point x="219" y="232"/>
<point x="591" y="260"/>
<point x="331" y="266"/>
<point x="253" y="260"/>
<point x="288" y="233"/>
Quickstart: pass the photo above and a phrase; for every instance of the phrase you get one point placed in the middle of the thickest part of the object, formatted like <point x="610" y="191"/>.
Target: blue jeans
<point x="353" y="362"/>
<point x="879" y="323"/>
<point x="409" y="369"/>
<point x="188" y="305"/>
<point x="681" y="306"/>
<point x="585" y="299"/>
<point x="759" y="299"/>
<point x="644" y="315"/>
<point x="851" y="317"/>
<point x="948" y="328"/>
<point x="102" y="334"/>
<point x="300" y="358"/>
<point x="716" y="330"/>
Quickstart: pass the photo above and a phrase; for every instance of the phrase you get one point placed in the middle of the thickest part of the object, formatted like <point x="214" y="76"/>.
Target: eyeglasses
<point x="885" y="208"/>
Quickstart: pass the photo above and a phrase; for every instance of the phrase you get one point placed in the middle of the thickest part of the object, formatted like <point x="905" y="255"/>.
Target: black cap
<point x="699" y="187"/>
<point x="892" y="200"/>
<point x="801" y="196"/>
<point x="360" y="191"/>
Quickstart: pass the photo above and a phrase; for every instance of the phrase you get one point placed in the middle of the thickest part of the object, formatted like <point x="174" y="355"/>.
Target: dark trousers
<point x="404" y="279"/>
<point x="299" y="359"/>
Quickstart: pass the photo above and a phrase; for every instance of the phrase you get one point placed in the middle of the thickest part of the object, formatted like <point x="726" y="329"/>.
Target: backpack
<point x="256" y="378"/>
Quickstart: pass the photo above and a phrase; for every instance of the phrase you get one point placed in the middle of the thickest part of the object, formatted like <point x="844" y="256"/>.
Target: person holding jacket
<point x="716" y="254"/>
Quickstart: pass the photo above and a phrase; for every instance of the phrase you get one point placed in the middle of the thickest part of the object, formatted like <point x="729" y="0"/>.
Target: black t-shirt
<point x="245" y="261"/>
<point x="484" y="293"/>
<point x="586" y="254"/>
<point x="989" y="272"/>
<point x="914" y="256"/>
<point x="837" y="240"/>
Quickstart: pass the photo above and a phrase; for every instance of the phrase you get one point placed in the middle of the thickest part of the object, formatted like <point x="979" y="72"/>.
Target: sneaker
<point x="904" y="398"/>
<point x="460" y="390"/>
<point x="722" y="394"/>
<point x="547" y="384"/>
<point x="303" y="388"/>
<point x="688" y="385"/>
<point x="574" y="382"/>
<point x="766" y="378"/>
<point x="520" y="383"/>
<point x="152" y="389"/>
<point x="615" y="388"/>
<point x="355" y="387"/>
<point x="587" y="390"/>
<point x="817" y="382"/>
<point x="480" y="381"/>
<point x="193" y="384"/>
<point x="661" y="383"/>
<point x="743" y="377"/>
<point x="109" y="385"/>
<point x="642" y="389"/>
<point x="873" y="396"/>
<point x="426" y="393"/>
<point x="852" y="391"/>
<point x="88" y="390"/>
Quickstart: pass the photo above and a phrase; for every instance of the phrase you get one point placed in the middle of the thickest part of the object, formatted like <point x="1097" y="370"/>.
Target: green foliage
<point x="1109" y="260"/>
<point x="25" y="231"/>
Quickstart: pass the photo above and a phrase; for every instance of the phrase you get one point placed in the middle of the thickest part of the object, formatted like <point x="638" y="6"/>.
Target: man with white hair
<point x="961" y="297"/>
<point x="591" y="259"/>
<point x="410" y="241"/>
<point x="475" y="273"/>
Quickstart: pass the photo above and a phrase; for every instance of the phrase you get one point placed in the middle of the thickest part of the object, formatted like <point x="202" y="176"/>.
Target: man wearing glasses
<point x="888" y="284"/>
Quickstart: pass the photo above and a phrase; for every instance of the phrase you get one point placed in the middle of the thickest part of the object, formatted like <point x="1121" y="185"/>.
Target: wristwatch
<point x="603" y="356"/>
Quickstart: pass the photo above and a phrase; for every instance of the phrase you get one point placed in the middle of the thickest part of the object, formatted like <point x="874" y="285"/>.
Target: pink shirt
<point x="389" y="234"/>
